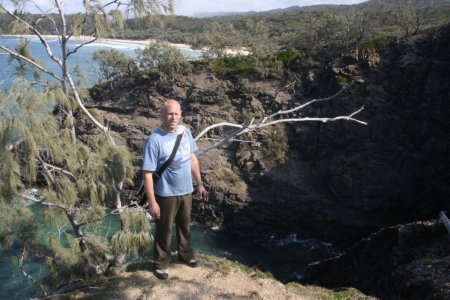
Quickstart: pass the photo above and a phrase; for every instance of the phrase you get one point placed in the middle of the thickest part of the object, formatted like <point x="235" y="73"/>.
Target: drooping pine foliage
<point x="78" y="178"/>
<point x="135" y="237"/>
<point x="39" y="147"/>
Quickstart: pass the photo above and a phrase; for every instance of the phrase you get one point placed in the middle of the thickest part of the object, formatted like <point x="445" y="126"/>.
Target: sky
<point x="192" y="7"/>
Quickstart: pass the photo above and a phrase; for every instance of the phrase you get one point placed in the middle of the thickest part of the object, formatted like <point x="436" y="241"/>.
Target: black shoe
<point x="193" y="263"/>
<point x="161" y="274"/>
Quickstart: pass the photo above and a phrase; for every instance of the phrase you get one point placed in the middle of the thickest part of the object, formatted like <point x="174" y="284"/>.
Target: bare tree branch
<point x="269" y="121"/>
<point x="87" y="113"/>
<point x="70" y="52"/>
<point x="309" y="103"/>
<point x="21" y="265"/>
<point x="42" y="202"/>
<point x="58" y="169"/>
<point x="31" y="62"/>
<point x="38" y="34"/>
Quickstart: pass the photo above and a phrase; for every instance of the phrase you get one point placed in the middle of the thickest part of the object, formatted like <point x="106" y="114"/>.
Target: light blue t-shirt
<point x="176" y="180"/>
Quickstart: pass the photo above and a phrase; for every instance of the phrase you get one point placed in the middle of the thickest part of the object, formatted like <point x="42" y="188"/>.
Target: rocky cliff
<point x="410" y="261"/>
<point x="337" y="181"/>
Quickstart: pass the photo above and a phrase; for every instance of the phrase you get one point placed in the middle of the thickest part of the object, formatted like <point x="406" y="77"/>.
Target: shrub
<point x="287" y="57"/>
<point x="234" y="65"/>
<point x="165" y="58"/>
<point x="377" y="44"/>
<point x="111" y="63"/>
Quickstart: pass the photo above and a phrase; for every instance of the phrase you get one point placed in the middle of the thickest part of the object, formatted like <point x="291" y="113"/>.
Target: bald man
<point x="170" y="198"/>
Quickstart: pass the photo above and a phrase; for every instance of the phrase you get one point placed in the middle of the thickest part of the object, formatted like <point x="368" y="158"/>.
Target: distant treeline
<point x="307" y="29"/>
<point x="299" y="28"/>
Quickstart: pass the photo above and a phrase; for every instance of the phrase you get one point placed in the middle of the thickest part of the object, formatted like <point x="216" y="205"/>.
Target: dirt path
<point x="205" y="282"/>
<point x="215" y="278"/>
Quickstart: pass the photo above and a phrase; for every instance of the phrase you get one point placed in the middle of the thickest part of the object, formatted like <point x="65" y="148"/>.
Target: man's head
<point x="171" y="115"/>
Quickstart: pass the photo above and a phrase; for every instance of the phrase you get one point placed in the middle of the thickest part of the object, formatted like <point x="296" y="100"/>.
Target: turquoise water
<point x="285" y="257"/>
<point x="82" y="58"/>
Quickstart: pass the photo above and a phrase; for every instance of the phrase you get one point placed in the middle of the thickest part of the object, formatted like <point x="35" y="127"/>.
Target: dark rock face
<point x="341" y="181"/>
<point x="409" y="261"/>
<point x="394" y="170"/>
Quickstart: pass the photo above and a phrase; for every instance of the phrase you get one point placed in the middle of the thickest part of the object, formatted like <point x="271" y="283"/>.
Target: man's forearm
<point x="195" y="166"/>
<point x="148" y="185"/>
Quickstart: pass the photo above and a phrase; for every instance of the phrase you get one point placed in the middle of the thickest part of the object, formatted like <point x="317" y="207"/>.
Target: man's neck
<point x="168" y="130"/>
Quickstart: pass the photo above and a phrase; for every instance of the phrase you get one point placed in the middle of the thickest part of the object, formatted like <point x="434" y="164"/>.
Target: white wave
<point x="114" y="46"/>
<point x="310" y="244"/>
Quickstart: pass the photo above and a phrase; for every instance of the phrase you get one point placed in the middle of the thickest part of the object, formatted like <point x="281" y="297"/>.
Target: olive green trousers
<point x="176" y="209"/>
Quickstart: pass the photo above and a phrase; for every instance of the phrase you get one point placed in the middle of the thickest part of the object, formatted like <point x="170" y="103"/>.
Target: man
<point x="170" y="198"/>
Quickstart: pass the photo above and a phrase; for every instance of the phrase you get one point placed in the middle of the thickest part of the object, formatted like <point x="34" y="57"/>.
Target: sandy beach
<point x="106" y="40"/>
<point x="233" y="52"/>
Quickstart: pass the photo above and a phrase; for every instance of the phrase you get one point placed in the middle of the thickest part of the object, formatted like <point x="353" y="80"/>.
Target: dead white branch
<point x="42" y="202"/>
<point x="31" y="62"/>
<point x="52" y="167"/>
<point x="270" y="121"/>
<point x="21" y="266"/>
<point x="38" y="34"/>
<point x="445" y="220"/>
<point x="285" y="112"/>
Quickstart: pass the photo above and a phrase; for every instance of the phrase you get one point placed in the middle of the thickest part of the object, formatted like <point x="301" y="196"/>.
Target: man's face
<point x="171" y="116"/>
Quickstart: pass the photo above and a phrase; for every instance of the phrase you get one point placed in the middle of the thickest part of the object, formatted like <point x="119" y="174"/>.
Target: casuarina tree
<point x="39" y="125"/>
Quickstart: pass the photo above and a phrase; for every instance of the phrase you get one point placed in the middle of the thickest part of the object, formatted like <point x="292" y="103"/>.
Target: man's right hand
<point x="154" y="210"/>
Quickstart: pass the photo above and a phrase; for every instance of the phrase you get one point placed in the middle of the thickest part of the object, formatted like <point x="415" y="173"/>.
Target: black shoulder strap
<point x="141" y="191"/>
<point x="172" y="155"/>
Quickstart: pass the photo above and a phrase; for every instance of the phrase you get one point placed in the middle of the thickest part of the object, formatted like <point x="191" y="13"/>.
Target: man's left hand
<point x="201" y="191"/>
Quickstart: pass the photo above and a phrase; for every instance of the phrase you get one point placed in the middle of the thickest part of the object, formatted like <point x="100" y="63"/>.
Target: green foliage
<point x="342" y="79"/>
<point x="118" y="163"/>
<point x="275" y="146"/>
<point x="377" y="44"/>
<point x="81" y="176"/>
<point x="71" y="263"/>
<point x="111" y="63"/>
<point x="287" y="57"/>
<point x="267" y="67"/>
<point x="135" y="237"/>
<point x="16" y="27"/>
<point x="18" y="225"/>
<point x="24" y="69"/>
<point x="258" y="39"/>
<point x="198" y="64"/>
<point x="163" y="57"/>
<point x="270" y="66"/>
<point x="117" y="17"/>
<point x="80" y="75"/>
<point x="232" y="65"/>
<point x="410" y="15"/>
<point x="357" y="88"/>
<point x="216" y="37"/>
<point x="339" y="296"/>
<point x="246" y="87"/>
<point x="95" y="114"/>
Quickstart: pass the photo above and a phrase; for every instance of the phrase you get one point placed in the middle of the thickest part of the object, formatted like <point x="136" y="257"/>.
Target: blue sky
<point x="192" y="7"/>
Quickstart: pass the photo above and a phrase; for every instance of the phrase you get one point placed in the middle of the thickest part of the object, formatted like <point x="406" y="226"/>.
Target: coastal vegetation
<point x="42" y="138"/>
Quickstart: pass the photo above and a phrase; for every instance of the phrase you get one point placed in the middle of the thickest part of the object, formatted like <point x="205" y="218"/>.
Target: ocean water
<point x="82" y="58"/>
